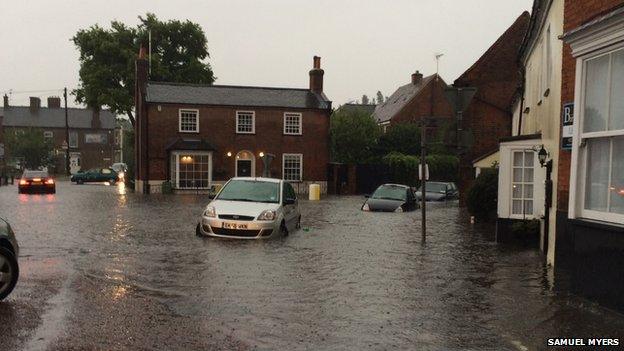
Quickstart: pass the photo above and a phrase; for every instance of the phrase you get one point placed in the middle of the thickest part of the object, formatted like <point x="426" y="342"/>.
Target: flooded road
<point x="101" y="269"/>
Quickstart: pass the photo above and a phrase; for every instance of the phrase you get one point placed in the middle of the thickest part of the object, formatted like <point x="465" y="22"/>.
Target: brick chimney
<point x="316" y="76"/>
<point x="6" y="101"/>
<point x="54" y="102"/>
<point x="417" y="78"/>
<point x="35" y="104"/>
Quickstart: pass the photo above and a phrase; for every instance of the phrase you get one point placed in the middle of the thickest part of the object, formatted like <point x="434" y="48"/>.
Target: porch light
<point x="229" y="154"/>
<point x="261" y="154"/>
<point x="542" y="155"/>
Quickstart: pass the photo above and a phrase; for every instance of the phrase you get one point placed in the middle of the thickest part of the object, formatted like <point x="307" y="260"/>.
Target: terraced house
<point x="197" y="136"/>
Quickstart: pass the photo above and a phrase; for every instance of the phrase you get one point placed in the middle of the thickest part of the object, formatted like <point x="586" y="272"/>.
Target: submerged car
<point x="36" y="182"/>
<point x="96" y="175"/>
<point x="439" y="191"/>
<point x="391" y="198"/>
<point x="251" y="208"/>
<point x="9" y="250"/>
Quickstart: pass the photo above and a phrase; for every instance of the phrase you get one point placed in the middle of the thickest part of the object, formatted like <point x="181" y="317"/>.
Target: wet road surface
<point x="101" y="269"/>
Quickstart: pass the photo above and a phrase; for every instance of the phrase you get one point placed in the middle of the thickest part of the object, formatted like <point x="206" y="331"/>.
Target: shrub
<point x="483" y="194"/>
<point x="404" y="168"/>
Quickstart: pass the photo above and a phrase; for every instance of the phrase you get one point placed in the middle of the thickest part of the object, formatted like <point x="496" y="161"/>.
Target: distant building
<point x="422" y="97"/>
<point x="196" y="136"/>
<point x="367" y="109"/>
<point x="91" y="133"/>
<point x="497" y="76"/>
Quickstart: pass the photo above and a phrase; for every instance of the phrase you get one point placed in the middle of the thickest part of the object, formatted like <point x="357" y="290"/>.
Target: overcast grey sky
<point x="365" y="45"/>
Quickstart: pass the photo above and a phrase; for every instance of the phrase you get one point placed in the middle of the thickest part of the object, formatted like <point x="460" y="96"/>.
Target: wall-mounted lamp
<point x="542" y="155"/>
<point x="261" y="154"/>
<point x="229" y="154"/>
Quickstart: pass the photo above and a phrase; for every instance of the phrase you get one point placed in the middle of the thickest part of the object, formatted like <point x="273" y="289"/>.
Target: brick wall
<point x="217" y="125"/>
<point x="496" y="75"/>
<point x="576" y="13"/>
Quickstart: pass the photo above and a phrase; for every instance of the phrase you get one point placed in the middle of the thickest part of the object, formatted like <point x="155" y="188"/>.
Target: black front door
<point x="244" y="168"/>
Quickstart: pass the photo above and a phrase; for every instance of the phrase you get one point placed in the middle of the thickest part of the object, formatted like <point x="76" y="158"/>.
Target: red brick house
<point x="590" y="187"/>
<point x="497" y="77"/>
<point x="196" y="136"/>
<point x="422" y="97"/>
<point x="91" y="133"/>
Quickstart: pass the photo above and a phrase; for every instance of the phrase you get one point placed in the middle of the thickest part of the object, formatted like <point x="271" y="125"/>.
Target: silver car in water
<point x="251" y="208"/>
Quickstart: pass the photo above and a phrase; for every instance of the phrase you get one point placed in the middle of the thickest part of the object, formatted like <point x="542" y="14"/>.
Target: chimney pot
<point x="35" y="104"/>
<point x="416" y="78"/>
<point x="316" y="76"/>
<point x="54" y="102"/>
<point x="6" y="100"/>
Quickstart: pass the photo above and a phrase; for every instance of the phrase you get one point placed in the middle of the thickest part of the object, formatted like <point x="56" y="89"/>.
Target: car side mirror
<point x="289" y="201"/>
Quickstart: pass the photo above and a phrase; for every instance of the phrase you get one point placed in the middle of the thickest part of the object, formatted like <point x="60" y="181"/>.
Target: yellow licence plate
<point x="234" y="226"/>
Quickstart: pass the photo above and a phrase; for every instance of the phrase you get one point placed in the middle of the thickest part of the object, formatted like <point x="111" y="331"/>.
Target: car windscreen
<point x="35" y="174"/>
<point x="250" y="190"/>
<point x="436" y="188"/>
<point x="389" y="192"/>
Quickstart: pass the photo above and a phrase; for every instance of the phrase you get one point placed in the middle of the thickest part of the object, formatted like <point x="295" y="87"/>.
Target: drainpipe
<point x="522" y="86"/>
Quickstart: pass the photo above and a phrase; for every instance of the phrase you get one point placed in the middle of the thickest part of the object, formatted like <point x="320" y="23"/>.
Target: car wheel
<point x="112" y="181"/>
<point x="198" y="230"/>
<point x="79" y="181"/>
<point x="9" y="272"/>
<point x="283" y="229"/>
<point x="298" y="225"/>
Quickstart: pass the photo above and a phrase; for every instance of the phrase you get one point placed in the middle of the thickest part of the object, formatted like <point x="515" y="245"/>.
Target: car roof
<point x="259" y="179"/>
<point x="392" y="184"/>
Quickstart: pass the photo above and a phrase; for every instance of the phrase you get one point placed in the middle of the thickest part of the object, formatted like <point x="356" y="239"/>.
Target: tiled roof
<point x="227" y="95"/>
<point x="21" y="116"/>
<point x="395" y="103"/>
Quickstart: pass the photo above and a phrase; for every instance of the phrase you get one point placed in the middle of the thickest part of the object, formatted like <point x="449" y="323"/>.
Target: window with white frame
<point x="245" y="122"/>
<point x="191" y="170"/>
<point x="602" y="137"/>
<point x="292" y="123"/>
<point x="522" y="183"/>
<point x="189" y="121"/>
<point x="292" y="167"/>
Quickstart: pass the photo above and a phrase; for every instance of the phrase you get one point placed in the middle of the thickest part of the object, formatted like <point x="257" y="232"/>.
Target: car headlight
<point x="365" y="207"/>
<point x="399" y="209"/>
<point x="267" y="215"/>
<point x="121" y="175"/>
<point x="210" y="212"/>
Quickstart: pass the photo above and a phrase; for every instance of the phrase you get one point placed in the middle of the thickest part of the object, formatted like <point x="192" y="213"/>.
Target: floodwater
<point x="102" y="269"/>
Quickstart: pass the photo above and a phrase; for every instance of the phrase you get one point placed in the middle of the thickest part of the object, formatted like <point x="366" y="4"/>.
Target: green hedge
<point x="483" y="195"/>
<point x="404" y="168"/>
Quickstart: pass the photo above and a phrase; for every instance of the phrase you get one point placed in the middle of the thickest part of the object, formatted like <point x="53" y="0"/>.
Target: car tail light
<point x="50" y="181"/>
<point x="23" y="182"/>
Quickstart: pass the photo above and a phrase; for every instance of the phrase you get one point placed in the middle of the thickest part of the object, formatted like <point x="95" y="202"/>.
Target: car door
<point x="290" y="210"/>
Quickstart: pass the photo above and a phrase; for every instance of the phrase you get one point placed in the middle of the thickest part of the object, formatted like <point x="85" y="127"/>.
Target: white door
<point x="74" y="162"/>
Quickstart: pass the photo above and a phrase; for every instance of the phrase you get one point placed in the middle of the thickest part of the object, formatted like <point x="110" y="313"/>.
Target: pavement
<point x="103" y="269"/>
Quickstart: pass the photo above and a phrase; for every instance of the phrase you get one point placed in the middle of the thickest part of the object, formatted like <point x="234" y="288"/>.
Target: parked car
<point x="251" y="208"/>
<point x="439" y="191"/>
<point x="96" y="175"/>
<point x="391" y="198"/>
<point x="121" y="169"/>
<point x="9" y="251"/>
<point x="36" y="182"/>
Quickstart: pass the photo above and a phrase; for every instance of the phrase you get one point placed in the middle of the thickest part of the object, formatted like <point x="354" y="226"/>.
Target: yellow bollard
<point x="315" y="192"/>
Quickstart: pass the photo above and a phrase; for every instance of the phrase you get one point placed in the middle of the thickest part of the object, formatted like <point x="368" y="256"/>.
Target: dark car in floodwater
<point x="391" y="198"/>
<point x="36" y="182"/>
<point x="9" y="250"/>
<point x="439" y="191"/>
<point x="96" y="175"/>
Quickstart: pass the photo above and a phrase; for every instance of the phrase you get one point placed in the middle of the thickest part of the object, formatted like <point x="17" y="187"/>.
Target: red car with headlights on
<point x="36" y="182"/>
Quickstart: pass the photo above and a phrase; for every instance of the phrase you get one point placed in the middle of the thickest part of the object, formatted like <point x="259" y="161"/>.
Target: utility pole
<point x="67" y="171"/>
<point x="423" y="178"/>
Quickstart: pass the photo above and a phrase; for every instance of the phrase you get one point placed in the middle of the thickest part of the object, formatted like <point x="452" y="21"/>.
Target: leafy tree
<point x="402" y="137"/>
<point x="107" y="57"/>
<point x="380" y="97"/>
<point x="364" y="99"/>
<point x="30" y="146"/>
<point x="353" y="136"/>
